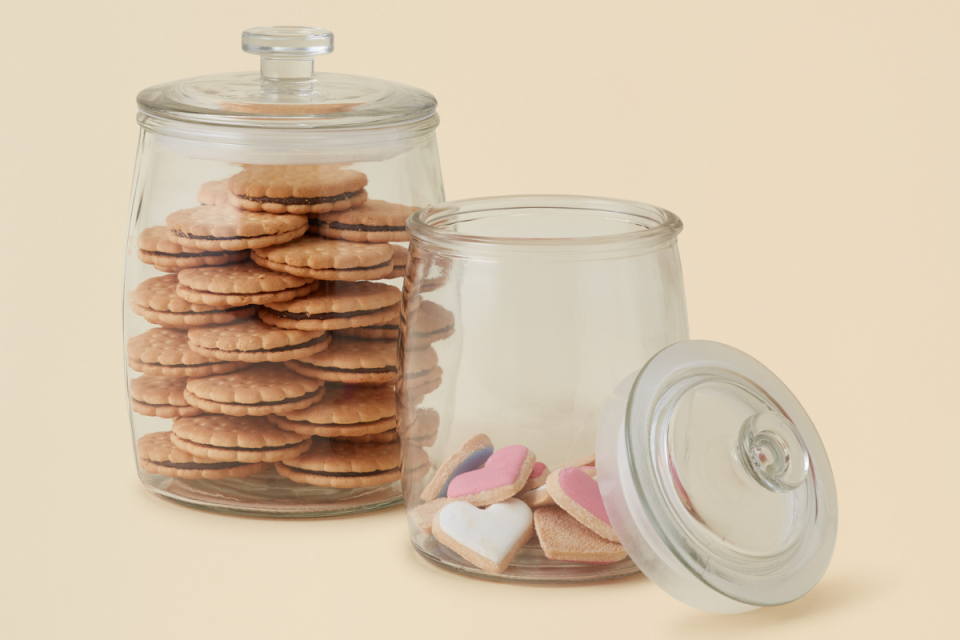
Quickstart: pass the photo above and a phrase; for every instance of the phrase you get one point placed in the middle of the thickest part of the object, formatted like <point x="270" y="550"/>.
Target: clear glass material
<point x="185" y="164"/>
<point x="716" y="479"/>
<point x="530" y="309"/>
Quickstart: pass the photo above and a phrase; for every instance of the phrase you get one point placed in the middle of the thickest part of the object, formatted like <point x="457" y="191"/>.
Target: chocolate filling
<point x="322" y="316"/>
<point x="264" y="404"/>
<point x="380" y="370"/>
<point x="419" y="374"/>
<point x="181" y="234"/>
<point x="431" y="333"/>
<point x="376" y="266"/>
<point x="321" y="200"/>
<point x="203" y="254"/>
<point x="196" y="466"/>
<point x="345" y="474"/>
<point x="303" y="345"/>
<point x="213" y="446"/>
<point x="200" y="313"/>
<point x="177" y="366"/>
<point x="363" y="227"/>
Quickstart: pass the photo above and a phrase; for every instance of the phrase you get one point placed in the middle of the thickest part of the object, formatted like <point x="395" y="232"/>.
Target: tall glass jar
<point x="520" y="315"/>
<point x="261" y="290"/>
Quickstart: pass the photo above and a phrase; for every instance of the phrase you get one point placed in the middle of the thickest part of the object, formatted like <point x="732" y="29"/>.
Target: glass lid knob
<point x="286" y="53"/>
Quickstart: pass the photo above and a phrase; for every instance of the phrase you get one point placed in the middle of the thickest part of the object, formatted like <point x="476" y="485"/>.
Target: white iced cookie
<point x="488" y="538"/>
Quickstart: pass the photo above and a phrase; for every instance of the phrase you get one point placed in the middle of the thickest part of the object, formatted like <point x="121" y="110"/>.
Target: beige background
<point x="812" y="150"/>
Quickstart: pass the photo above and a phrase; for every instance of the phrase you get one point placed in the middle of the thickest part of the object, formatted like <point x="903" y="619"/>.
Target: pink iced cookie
<point x="537" y="477"/>
<point x="579" y="495"/>
<point x="471" y="456"/>
<point x="502" y="477"/>
<point x="488" y="538"/>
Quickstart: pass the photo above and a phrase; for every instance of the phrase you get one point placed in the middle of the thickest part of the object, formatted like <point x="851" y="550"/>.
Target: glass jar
<point x="261" y="288"/>
<point x="557" y="424"/>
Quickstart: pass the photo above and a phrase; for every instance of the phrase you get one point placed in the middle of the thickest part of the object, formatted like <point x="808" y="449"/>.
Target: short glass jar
<point x="531" y="309"/>
<point x="266" y="241"/>
<point x="557" y="424"/>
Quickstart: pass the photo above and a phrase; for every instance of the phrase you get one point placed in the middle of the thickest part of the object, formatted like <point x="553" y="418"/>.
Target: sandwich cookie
<point x="423" y="430"/>
<point x="400" y="257"/>
<point x="420" y="369"/>
<point x="300" y="189"/>
<point x="373" y="221"/>
<point x="157" y="454"/>
<point x="156" y="300"/>
<point x="562" y="537"/>
<point x="160" y="396"/>
<point x="366" y="362"/>
<point x="344" y="465"/>
<point x="220" y="227"/>
<point x="254" y="341"/>
<point x="166" y="352"/>
<point x="345" y="410"/>
<point x="157" y="248"/>
<point x="371" y="438"/>
<point x="323" y="259"/>
<point x="214" y="192"/>
<point x="428" y="323"/>
<point x="385" y="331"/>
<point x="416" y="463"/>
<point x="487" y="538"/>
<point x="239" y="285"/>
<point x="262" y="389"/>
<point x="236" y="439"/>
<point x="336" y="305"/>
<point x="470" y="457"/>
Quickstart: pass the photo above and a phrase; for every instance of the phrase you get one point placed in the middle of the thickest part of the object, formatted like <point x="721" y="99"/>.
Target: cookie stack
<point x="276" y="346"/>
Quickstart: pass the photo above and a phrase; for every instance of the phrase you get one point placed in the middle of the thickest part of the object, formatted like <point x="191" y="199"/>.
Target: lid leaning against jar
<point x="287" y="113"/>
<point x="716" y="480"/>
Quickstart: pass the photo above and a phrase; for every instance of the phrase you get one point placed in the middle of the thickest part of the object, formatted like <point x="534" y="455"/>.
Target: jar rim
<point x="655" y="226"/>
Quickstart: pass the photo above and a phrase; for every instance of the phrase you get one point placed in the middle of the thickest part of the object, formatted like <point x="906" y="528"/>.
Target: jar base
<point x="530" y="565"/>
<point x="269" y="495"/>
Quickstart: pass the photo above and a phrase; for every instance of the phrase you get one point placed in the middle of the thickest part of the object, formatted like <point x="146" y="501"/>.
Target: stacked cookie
<point x="276" y="347"/>
<point x="486" y="504"/>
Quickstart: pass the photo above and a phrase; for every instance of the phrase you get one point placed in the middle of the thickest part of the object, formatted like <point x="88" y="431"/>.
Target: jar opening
<point x="543" y="223"/>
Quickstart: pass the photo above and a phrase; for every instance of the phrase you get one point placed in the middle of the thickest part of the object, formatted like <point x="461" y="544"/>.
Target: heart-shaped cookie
<point x="538" y="476"/>
<point x="579" y="495"/>
<point x="563" y="538"/>
<point x="488" y="538"/>
<point x="502" y="477"/>
<point x="471" y="456"/>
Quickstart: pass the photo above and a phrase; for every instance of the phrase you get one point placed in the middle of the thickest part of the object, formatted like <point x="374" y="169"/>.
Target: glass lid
<point x="287" y="92"/>
<point x="716" y="480"/>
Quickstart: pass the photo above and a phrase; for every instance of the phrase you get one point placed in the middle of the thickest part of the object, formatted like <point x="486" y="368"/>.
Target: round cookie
<point x="220" y="227"/>
<point x="255" y="341"/>
<point x="166" y="352"/>
<point x="239" y="285"/>
<point x="428" y="323"/>
<point x="300" y="189"/>
<point x="336" y="305"/>
<point x="373" y="221"/>
<point x="239" y="439"/>
<point x="157" y="454"/>
<point x="424" y="429"/>
<point x="400" y="257"/>
<point x="156" y="248"/>
<point x="366" y="362"/>
<point x="345" y="410"/>
<point x="371" y="438"/>
<point x="372" y="332"/>
<point x="259" y="390"/>
<point x="323" y="259"/>
<point x="420" y="370"/>
<point x="416" y="463"/>
<point x="214" y="192"/>
<point x="156" y="300"/>
<point x="344" y="465"/>
<point x="160" y="396"/>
